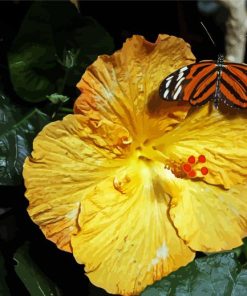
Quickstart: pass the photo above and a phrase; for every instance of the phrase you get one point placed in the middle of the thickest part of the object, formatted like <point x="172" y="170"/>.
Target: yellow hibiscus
<point x="134" y="185"/>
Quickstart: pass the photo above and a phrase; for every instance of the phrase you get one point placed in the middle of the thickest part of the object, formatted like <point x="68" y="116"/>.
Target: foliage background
<point x="29" y="263"/>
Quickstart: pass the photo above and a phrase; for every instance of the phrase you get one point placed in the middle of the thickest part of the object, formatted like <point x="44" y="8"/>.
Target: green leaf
<point x="214" y="275"/>
<point x="18" y="127"/>
<point x="4" y="290"/>
<point x="54" y="39"/>
<point x="35" y="281"/>
<point x="57" y="98"/>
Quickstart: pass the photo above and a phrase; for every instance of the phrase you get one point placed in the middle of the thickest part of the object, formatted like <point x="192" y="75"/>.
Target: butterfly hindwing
<point x="233" y="85"/>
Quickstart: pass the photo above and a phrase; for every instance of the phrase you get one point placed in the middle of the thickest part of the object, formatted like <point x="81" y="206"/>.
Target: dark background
<point x="121" y="20"/>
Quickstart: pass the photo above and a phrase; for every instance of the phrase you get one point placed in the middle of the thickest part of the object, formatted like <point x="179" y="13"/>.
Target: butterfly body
<point x="208" y="81"/>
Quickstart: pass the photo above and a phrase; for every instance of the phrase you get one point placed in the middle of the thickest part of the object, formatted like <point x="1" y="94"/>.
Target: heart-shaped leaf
<point x="215" y="275"/>
<point x="54" y="40"/>
<point x="18" y="127"/>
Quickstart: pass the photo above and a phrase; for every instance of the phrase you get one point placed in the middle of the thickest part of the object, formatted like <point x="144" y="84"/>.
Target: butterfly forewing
<point x="188" y="83"/>
<point x="202" y="85"/>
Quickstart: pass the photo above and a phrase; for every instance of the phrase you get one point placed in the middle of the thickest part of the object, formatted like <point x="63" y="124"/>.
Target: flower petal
<point x="207" y="217"/>
<point x="211" y="133"/>
<point x="123" y="87"/>
<point x="70" y="156"/>
<point x="126" y="240"/>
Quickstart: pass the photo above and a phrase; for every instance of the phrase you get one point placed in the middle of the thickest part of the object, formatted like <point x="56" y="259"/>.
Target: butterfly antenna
<point x="210" y="37"/>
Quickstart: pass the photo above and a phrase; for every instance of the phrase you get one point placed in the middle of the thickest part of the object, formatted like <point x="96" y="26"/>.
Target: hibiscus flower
<point x="134" y="185"/>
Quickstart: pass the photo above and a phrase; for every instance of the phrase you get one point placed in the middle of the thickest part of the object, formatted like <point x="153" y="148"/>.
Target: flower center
<point x="191" y="169"/>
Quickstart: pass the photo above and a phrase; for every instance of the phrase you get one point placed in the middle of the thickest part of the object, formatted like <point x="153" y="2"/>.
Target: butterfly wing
<point x="233" y="85"/>
<point x="195" y="83"/>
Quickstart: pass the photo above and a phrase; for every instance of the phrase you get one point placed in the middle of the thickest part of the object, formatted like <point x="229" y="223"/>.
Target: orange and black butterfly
<point x="208" y="81"/>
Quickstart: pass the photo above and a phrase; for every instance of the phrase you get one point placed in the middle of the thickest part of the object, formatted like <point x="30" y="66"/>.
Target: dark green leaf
<point x="35" y="281"/>
<point x="215" y="275"/>
<point x="18" y="127"/>
<point x="54" y="39"/>
<point x="4" y="290"/>
<point x="244" y="248"/>
<point x="240" y="286"/>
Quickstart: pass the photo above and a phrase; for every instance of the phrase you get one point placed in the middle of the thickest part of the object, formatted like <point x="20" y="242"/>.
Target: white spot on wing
<point x="179" y="82"/>
<point x="177" y="92"/>
<point x="166" y="93"/>
<point x="169" y="78"/>
<point x="168" y="83"/>
<point x="180" y="76"/>
<point x="183" y="69"/>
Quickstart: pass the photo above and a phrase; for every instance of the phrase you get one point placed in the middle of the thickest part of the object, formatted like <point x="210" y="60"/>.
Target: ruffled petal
<point x="207" y="217"/>
<point x="69" y="157"/>
<point x="123" y="87"/>
<point x="126" y="240"/>
<point x="221" y="137"/>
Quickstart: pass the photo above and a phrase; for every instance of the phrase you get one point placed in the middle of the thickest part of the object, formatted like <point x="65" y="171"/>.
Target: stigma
<point x="193" y="167"/>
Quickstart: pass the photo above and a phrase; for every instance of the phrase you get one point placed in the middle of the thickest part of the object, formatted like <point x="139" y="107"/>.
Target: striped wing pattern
<point x="208" y="80"/>
<point x="233" y="85"/>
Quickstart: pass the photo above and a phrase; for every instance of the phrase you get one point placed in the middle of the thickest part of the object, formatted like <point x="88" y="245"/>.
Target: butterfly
<point x="208" y="81"/>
